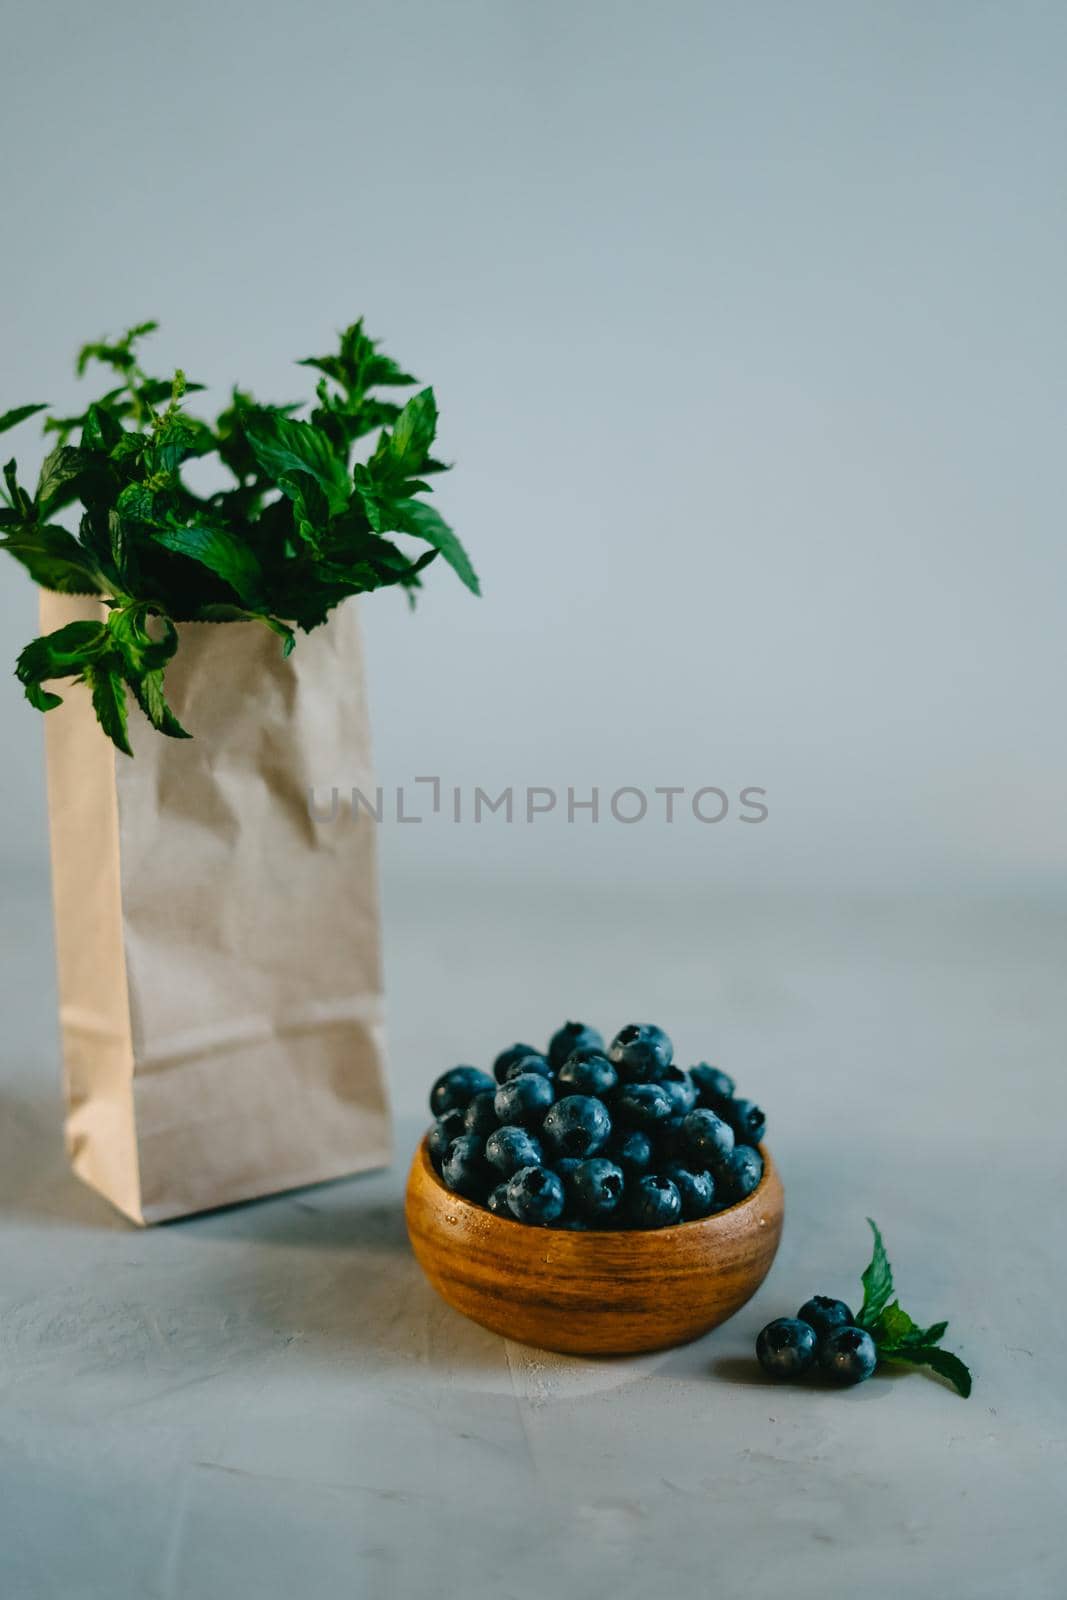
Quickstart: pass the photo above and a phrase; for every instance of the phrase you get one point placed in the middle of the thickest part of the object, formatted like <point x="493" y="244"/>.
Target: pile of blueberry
<point x="823" y="1331"/>
<point x="587" y="1136"/>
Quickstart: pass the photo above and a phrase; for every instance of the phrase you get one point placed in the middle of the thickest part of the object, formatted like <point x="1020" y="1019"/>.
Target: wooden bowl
<point x="598" y="1293"/>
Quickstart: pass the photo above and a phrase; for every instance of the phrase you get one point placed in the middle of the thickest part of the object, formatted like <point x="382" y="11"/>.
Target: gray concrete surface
<point x="271" y="1402"/>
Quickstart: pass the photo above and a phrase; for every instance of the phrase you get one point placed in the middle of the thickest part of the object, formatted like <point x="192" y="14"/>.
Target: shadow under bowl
<point x="602" y="1292"/>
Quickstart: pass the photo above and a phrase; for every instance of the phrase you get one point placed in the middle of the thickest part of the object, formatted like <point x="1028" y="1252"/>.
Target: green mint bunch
<point x="897" y="1338"/>
<point x="309" y="516"/>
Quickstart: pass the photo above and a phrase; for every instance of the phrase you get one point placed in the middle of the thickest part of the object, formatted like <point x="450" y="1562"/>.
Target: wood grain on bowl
<point x="595" y="1293"/>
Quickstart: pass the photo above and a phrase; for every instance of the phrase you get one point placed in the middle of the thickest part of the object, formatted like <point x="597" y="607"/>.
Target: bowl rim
<point x="486" y="1217"/>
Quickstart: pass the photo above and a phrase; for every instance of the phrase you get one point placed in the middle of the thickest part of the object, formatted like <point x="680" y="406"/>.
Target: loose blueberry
<point x="848" y="1355"/>
<point x="654" y="1202"/>
<point x="535" y="1195"/>
<point x="707" y="1137"/>
<point x="825" y="1314"/>
<point x="444" y="1130"/>
<point x="714" y="1086"/>
<point x="786" y="1347"/>
<point x="464" y="1169"/>
<point x="524" y="1100"/>
<point x="455" y="1089"/>
<point x="631" y="1150"/>
<point x="497" y="1202"/>
<point x="510" y="1148"/>
<point x="514" y="1052"/>
<point x="681" y="1089"/>
<point x="595" y="1188"/>
<point x="747" y="1121"/>
<point x="641" y="1051"/>
<point x="571" y="1037"/>
<point x="480" y="1117"/>
<point x="578" y="1125"/>
<point x="586" y="1072"/>
<point x="531" y="1063"/>
<point x="697" y="1191"/>
<point x="739" y="1173"/>
<point x="642" y="1105"/>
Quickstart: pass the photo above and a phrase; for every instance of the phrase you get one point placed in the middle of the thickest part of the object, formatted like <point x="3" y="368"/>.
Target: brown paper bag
<point x="218" y="943"/>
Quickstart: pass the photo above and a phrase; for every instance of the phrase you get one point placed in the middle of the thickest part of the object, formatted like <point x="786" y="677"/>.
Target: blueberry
<point x="740" y="1173"/>
<point x="578" y="1125"/>
<point x="535" y="1195"/>
<point x="574" y="1224"/>
<point x="642" y="1105"/>
<point x="586" y="1072"/>
<point x="498" y="1202"/>
<point x="747" y="1121"/>
<point x="530" y="1063"/>
<point x="670" y="1143"/>
<point x="641" y="1051"/>
<point x="510" y="1148"/>
<point x="848" y="1355"/>
<point x="631" y="1150"/>
<point x="524" y="1100"/>
<point x="707" y="1137"/>
<point x="697" y="1191"/>
<point x="714" y="1086"/>
<point x="514" y="1052"/>
<point x="480" y="1116"/>
<point x="825" y="1314"/>
<point x="444" y="1130"/>
<point x="786" y="1347"/>
<point x="596" y="1188"/>
<point x="654" y="1202"/>
<point x="571" y="1037"/>
<point x="464" y="1169"/>
<point x="456" y="1088"/>
<point x="565" y="1165"/>
<point x="681" y="1089"/>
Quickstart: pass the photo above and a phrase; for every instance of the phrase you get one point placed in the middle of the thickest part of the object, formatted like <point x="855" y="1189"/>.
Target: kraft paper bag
<point x="218" y="941"/>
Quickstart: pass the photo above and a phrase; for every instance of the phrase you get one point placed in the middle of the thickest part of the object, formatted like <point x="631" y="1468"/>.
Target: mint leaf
<point x="109" y="701"/>
<point x="422" y="520"/>
<point x="57" y="654"/>
<point x="877" y="1281"/>
<point x="283" y="446"/>
<point x="311" y="509"/>
<point x="895" y="1328"/>
<point x="101" y="430"/>
<point x="17" y="498"/>
<point x="222" y="553"/>
<point x="896" y="1335"/>
<point x="60" y="471"/>
<point x="148" y="692"/>
<point x="11" y="419"/>
<point x="53" y="558"/>
<point x="943" y="1362"/>
<point x="69" y="652"/>
<point x="414" y="433"/>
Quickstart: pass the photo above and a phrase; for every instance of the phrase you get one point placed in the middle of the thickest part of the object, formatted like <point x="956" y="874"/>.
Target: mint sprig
<point x="310" y="516"/>
<point x="897" y="1337"/>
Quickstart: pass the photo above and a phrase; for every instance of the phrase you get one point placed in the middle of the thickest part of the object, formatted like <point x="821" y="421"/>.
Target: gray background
<point x="746" y="325"/>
